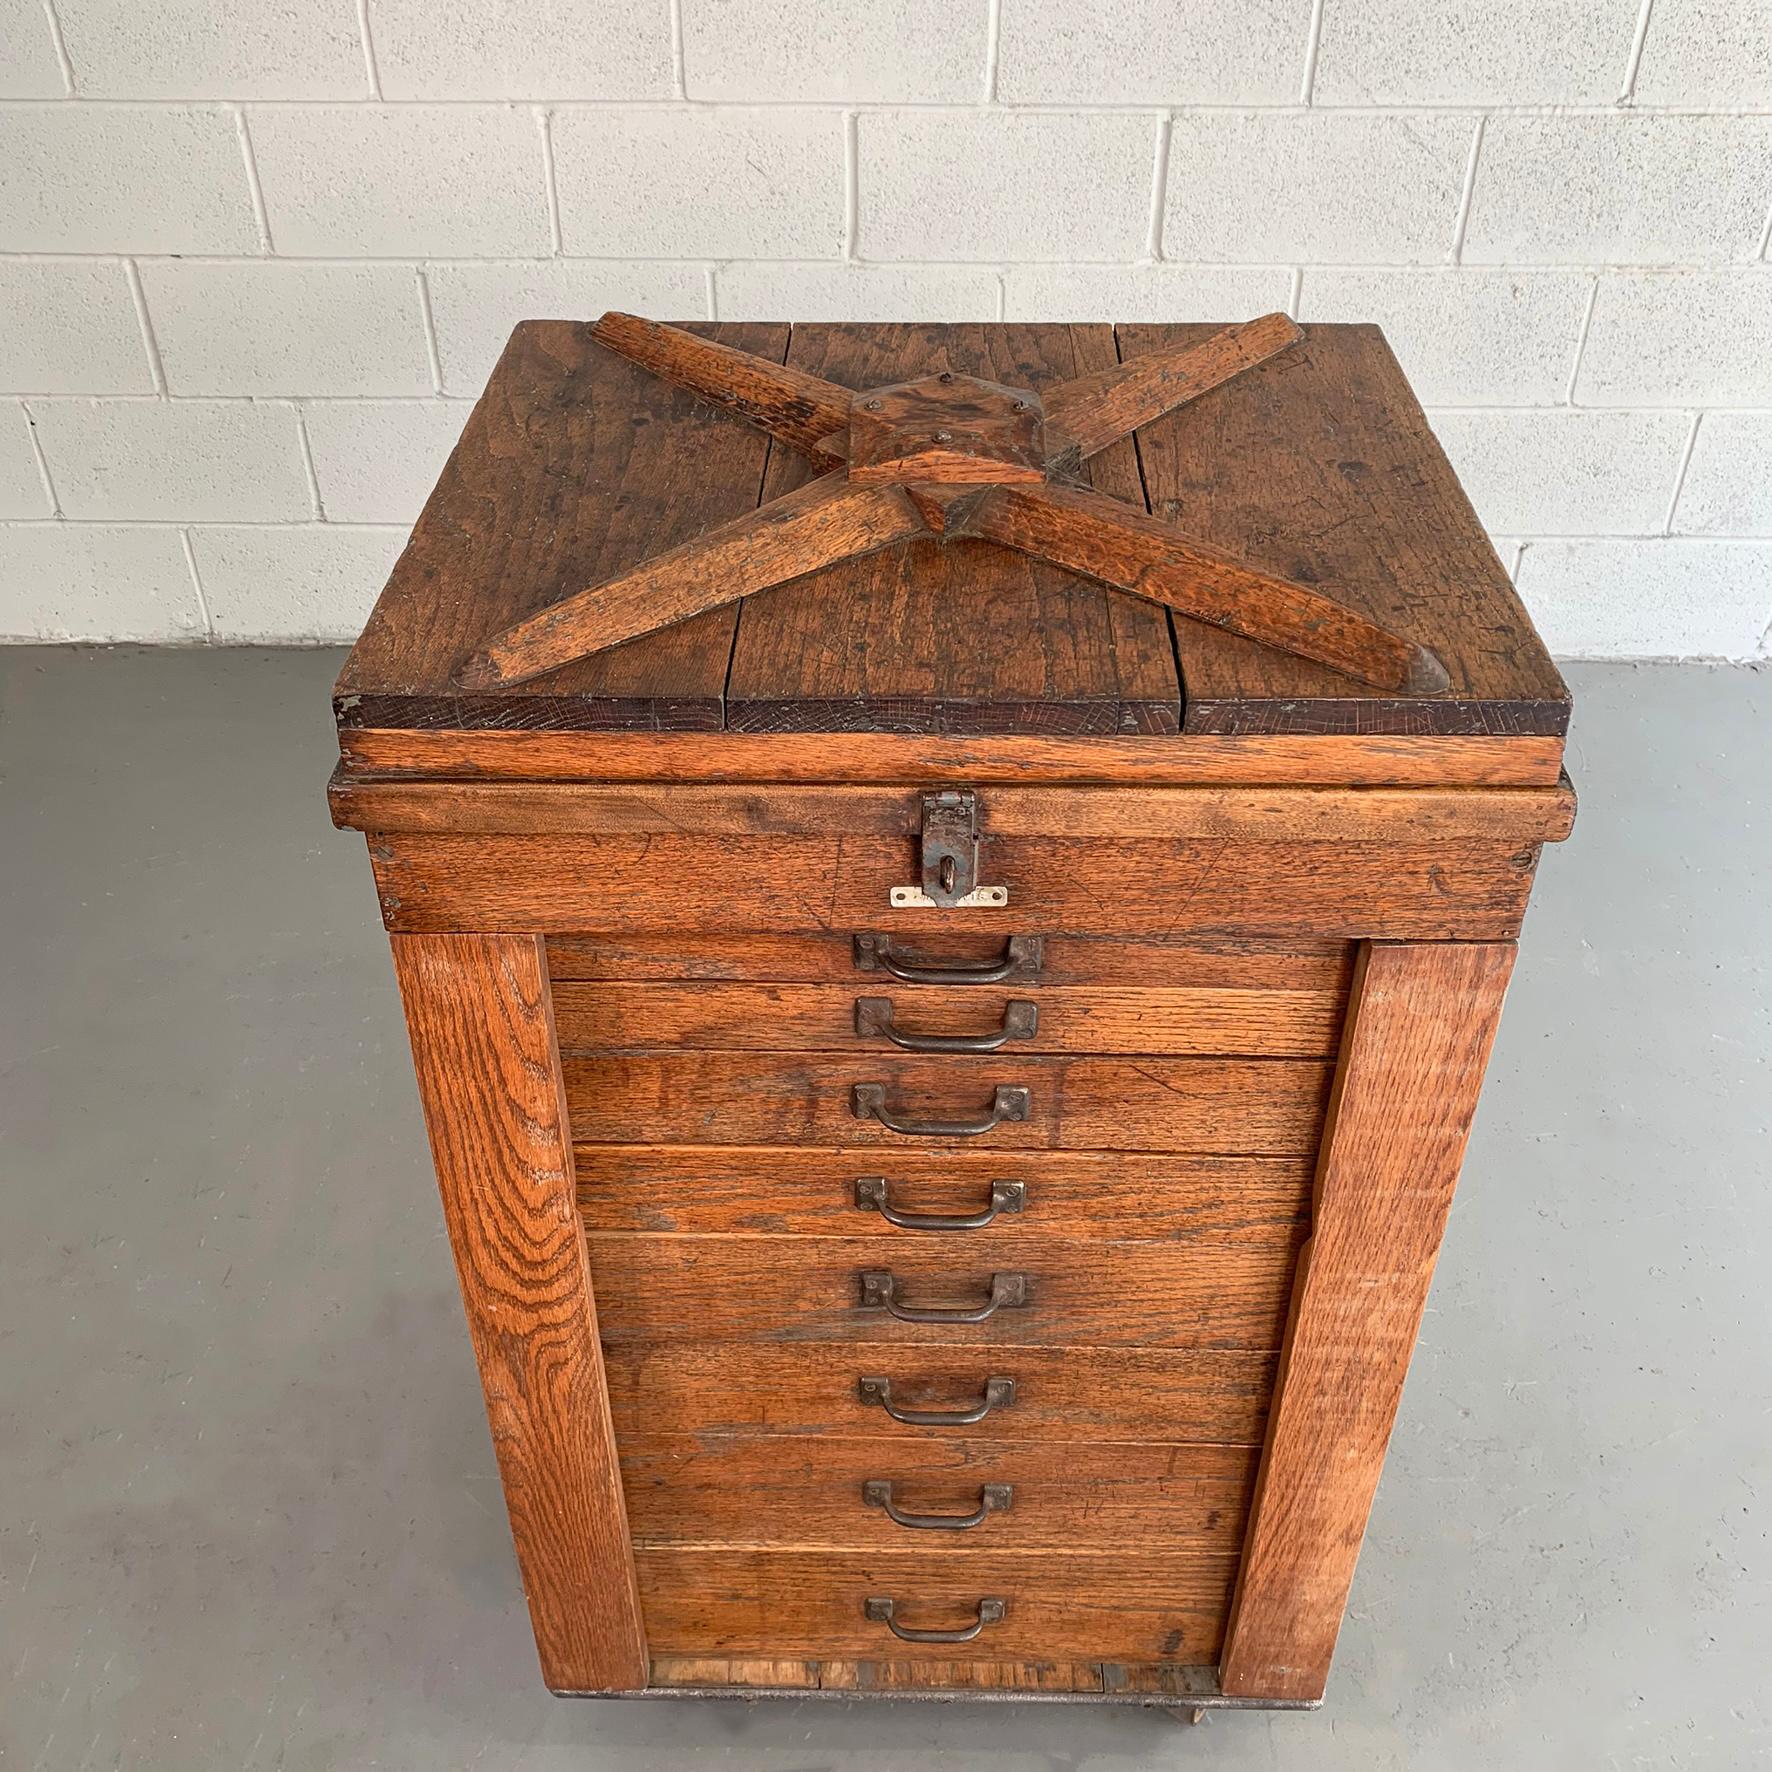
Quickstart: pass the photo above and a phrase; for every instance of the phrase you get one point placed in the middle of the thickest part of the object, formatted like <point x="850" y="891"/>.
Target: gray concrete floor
<point x="248" y="1511"/>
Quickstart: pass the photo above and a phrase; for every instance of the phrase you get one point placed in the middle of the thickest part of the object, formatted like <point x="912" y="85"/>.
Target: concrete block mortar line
<point x="544" y="121"/>
<point x="1587" y="320"/>
<point x="313" y="523"/>
<point x="43" y="473"/>
<point x="1002" y="296"/>
<point x="432" y="349"/>
<point x="60" y="44"/>
<point x="184" y="537"/>
<point x="1153" y="240"/>
<point x="1766" y="237"/>
<point x="851" y="184"/>
<point x="1313" y="43"/>
<point x="1468" y="194"/>
<point x="307" y="456"/>
<point x="712" y="286"/>
<point x="1044" y="108"/>
<point x="261" y="217"/>
<point x="1635" y="60"/>
<point x="150" y="343"/>
<point x="367" y="36"/>
<point x="679" y="64"/>
<point x="993" y="49"/>
<point x="1673" y="504"/>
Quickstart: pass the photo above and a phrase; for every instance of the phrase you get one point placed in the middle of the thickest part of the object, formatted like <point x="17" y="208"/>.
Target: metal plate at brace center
<point x="915" y="898"/>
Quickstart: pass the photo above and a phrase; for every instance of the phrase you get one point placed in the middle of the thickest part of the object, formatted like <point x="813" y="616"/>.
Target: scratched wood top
<point x="1318" y="465"/>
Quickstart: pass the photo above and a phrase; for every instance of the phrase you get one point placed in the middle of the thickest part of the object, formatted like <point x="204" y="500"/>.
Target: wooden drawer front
<point x="1134" y="1606"/>
<point x="749" y="1189"/>
<point x="742" y="1490"/>
<point x="871" y="1018"/>
<point x="1425" y="890"/>
<point x="1259" y="1106"/>
<point x="1186" y="1395"/>
<point x="1212" y="1292"/>
<point x="784" y="957"/>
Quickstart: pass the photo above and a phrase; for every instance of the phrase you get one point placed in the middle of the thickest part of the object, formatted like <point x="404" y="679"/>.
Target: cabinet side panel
<point x="1421" y="1022"/>
<point x="483" y="1046"/>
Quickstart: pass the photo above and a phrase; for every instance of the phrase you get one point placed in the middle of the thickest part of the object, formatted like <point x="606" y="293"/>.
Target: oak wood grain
<point x="574" y="465"/>
<point x="823" y="1018"/>
<point x="1088" y="414"/>
<point x="1422" y="1022"/>
<point x="961" y="639"/>
<point x="1206" y="1291"/>
<point x="826" y="519"/>
<point x="800" y="409"/>
<point x="1144" y="1606"/>
<point x="742" y="1491"/>
<point x="1319" y="466"/>
<point x="1301" y="814"/>
<point x="1440" y="891"/>
<point x="483" y="1048"/>
<point x="1069" y="1394"/>
<point x="750" y="1190"/>
<point x="1229" y="963"/>
<point x="1253" y="1106"/>
<point x="1379" y="760"/>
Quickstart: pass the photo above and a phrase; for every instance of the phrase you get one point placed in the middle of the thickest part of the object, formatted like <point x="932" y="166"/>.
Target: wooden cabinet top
<point x="1317" y="465"/>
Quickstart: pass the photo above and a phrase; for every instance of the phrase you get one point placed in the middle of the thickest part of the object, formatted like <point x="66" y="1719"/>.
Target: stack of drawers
<point x="941" y="1278"/>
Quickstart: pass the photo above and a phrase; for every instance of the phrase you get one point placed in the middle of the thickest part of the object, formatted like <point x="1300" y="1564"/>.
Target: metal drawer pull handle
<point x="1009" y="1101"/>
<point x="870" y="1196"/>
<point x="993" y="1498"/>
<point x="879" y="1291"/>
<point x="1021" y="959"/>
<point x="873" y="1016"/>
<point x="879" y="1611"/>
<point x="999" y="1393"/>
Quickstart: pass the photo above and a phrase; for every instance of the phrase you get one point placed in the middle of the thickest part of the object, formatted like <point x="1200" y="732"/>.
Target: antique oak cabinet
<point x="947" y="1079"/>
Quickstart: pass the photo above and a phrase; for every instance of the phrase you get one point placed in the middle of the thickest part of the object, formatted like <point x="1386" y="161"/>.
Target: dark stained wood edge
<point x="1380" y="760"/>
<point x="480" y="1017"/>
<point x="1421" y="1021"/>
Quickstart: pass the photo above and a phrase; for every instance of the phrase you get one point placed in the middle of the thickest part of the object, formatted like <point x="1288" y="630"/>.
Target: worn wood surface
<point x="872" y="757"/>
<point x="1170" y="1682"/>
<point x="1084" y="532"/>
<point x="827" y="519"/>
<point x="1179" y="1395"/>
<point x="1421" y="1025"/>
<point x="1207" y="1291"/>
<point x="963" y="639"/>
<point x="746" y="1190"/>
<point x="1096" y="410"/>
<point x="1440" y="891"/>
<point x="738" y="1491"/>
<point x="823" y="1018"/>
<point x="483" y="1049"/>
<point x="800" y="409"/>
<point x="1230" y="963"/>
<point x="1301" y="814"/>
<point x="1136" y="1606"/>
<point x="573" y="466"/>
<point x="1320" y="466"/>
<point x="1256" y="1106"/>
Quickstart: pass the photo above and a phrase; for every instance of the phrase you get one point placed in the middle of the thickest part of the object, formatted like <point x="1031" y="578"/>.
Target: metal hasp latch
<point x="950" y="856"/>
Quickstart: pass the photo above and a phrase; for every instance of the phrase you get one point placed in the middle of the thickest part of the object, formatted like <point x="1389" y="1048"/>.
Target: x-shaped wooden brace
<point x="943" y="457"/>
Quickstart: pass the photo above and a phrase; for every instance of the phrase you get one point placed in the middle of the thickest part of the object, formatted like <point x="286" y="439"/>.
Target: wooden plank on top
<point x="1319" y="465"/>
<point x="575" y="464"/>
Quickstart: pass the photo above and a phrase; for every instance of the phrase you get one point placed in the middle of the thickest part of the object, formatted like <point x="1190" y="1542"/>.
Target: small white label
<point x="914" y="898"/>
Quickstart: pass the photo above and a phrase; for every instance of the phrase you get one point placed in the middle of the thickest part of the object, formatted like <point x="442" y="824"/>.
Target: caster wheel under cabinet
<point x="952" y="888"/>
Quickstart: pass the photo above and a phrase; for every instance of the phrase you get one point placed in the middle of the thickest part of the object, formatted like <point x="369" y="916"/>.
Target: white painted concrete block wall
<point x="257" y="256"/>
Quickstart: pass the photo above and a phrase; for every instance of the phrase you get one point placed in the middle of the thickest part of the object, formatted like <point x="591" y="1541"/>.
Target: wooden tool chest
<point x="946" y="1079"/>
